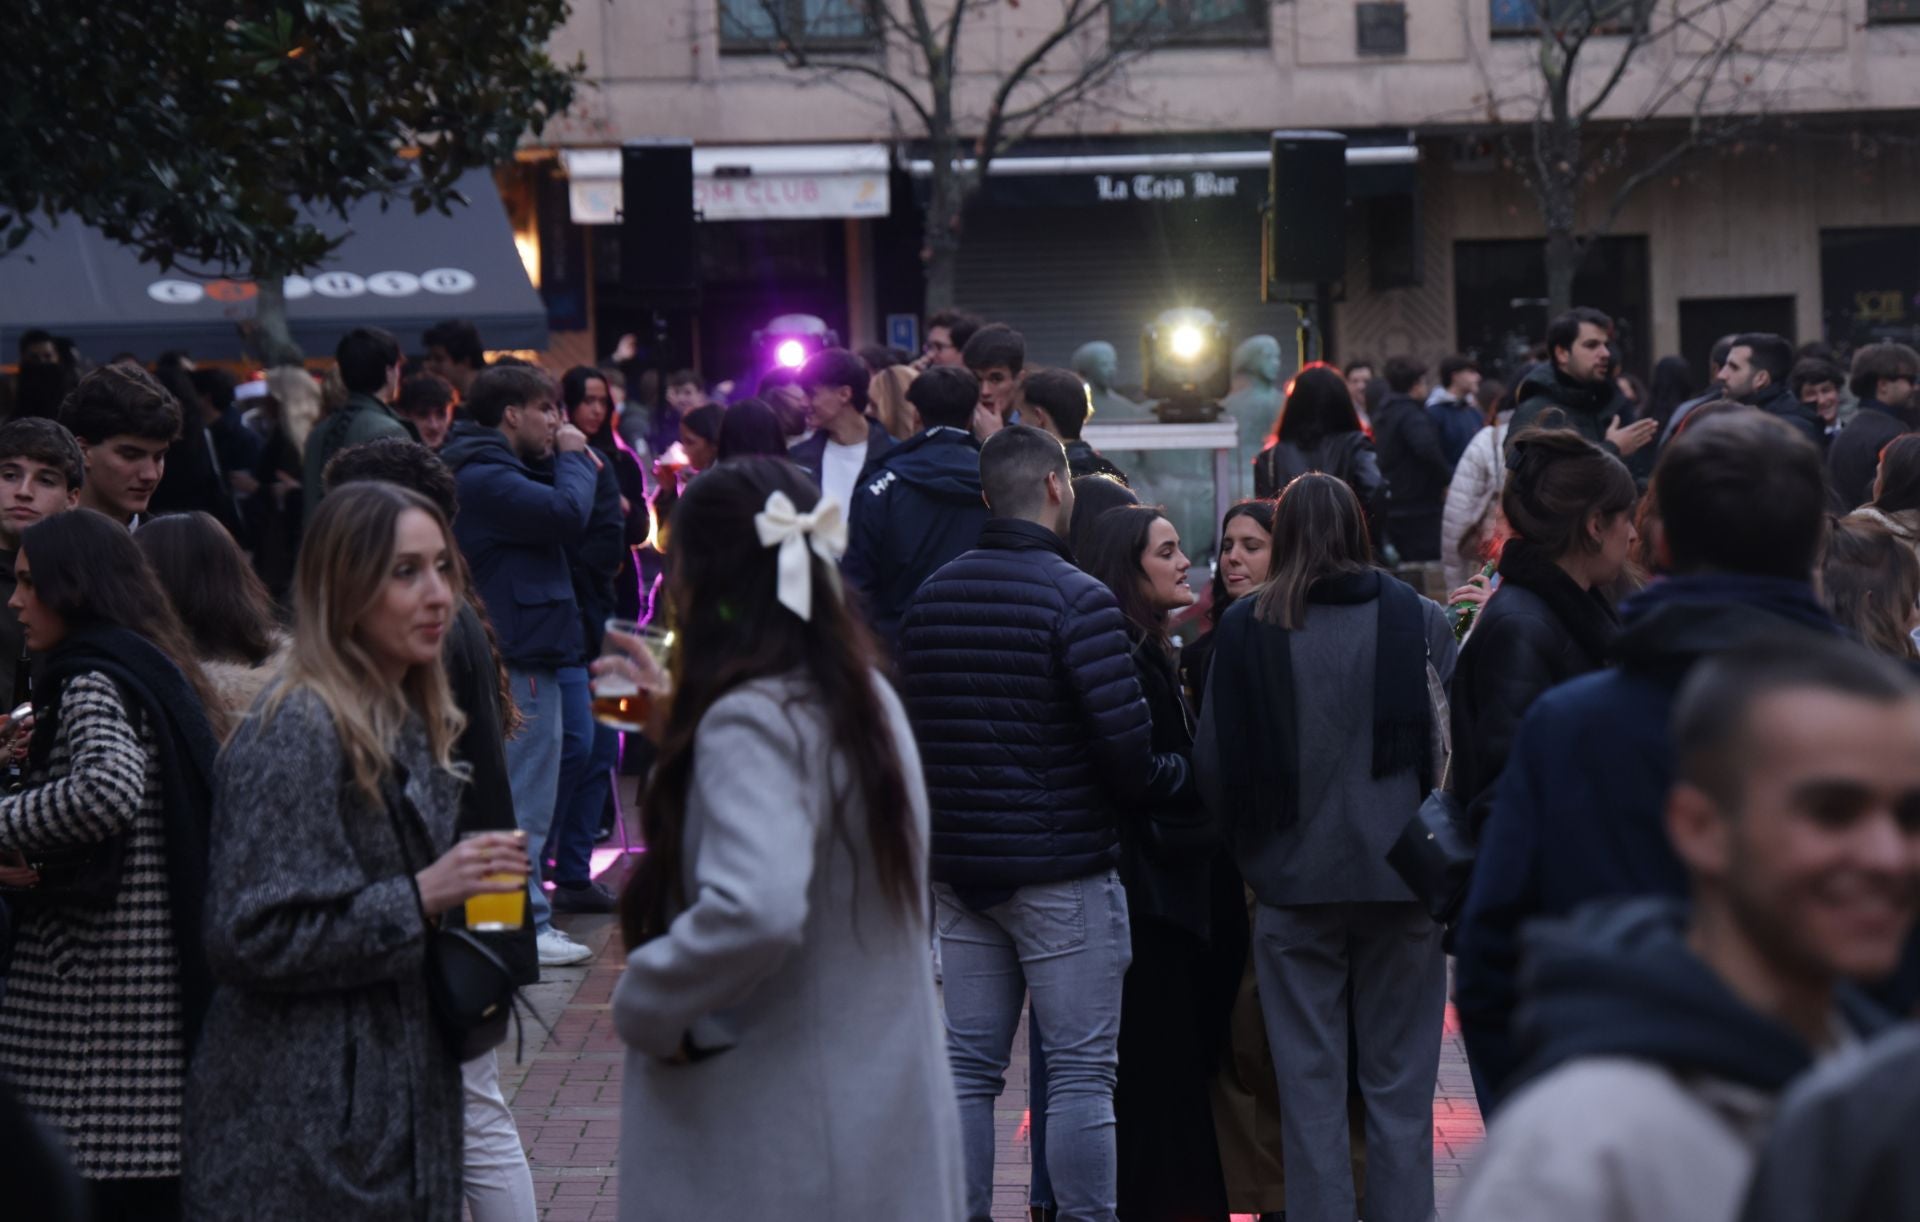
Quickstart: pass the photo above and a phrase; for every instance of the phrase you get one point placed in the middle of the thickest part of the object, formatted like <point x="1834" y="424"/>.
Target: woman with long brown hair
<point x="105" y="861"/>
<point x="333" y="861"/>
<point x="221" y="602"/>
<point x="776" y="999"/>
<point x="1314" y="750"/>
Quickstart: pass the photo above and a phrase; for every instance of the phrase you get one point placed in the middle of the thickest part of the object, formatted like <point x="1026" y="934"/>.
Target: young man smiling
<point x="124" y="421"/>
<point x="845" y="438"/>
<point x="1663" y="1032"/>
<point x="41" y="470"/>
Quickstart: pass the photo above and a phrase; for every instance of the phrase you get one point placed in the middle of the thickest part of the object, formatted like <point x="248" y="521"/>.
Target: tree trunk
<point x="270" y="331"/>
<point x="946" y="196"/>
<point x="1564" y="257"/>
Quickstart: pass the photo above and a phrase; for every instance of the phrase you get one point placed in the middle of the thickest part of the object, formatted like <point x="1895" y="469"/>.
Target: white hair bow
<point x="824" y="530"/>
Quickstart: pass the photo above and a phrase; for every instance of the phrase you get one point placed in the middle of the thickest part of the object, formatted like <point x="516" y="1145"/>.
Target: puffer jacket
<point x="1475" y="493"/>
<point x="1032" y="726"/>
<point x="514" y="531"/>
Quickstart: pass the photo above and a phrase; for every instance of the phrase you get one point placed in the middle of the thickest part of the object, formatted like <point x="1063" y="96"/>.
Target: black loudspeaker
<point x="659" y="263"/>
<point x="1307" y="226"/>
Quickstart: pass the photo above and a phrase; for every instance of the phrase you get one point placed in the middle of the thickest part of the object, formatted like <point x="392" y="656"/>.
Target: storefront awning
<point x="747" y="182"/>
<point x="396" y="270"/>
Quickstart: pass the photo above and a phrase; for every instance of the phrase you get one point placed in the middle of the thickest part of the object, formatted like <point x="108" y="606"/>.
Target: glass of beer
<point x="498" y="911"/>
<point x="618" y="701"/>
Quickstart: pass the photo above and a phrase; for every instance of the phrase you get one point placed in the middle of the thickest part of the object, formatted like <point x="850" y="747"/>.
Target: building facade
<point x="1148" y="194"/>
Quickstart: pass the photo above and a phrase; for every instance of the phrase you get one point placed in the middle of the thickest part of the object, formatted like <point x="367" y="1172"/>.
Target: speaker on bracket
<point x="659" y="262"/>
<point x="1307" y="221"/>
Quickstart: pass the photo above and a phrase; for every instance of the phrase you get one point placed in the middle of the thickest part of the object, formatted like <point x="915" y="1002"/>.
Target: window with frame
<point x="1522" y="17"/>
<point x="761" y="25"/>
<point x="1892" y="12"/>
<point x="1192" y="22"/>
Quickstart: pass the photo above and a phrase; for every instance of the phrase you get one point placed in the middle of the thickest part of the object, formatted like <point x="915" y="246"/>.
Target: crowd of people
<point x="952" y="733"/>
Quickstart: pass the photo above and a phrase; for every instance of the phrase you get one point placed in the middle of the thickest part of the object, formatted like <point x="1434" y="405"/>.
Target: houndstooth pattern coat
<point x="91" y="1027"/>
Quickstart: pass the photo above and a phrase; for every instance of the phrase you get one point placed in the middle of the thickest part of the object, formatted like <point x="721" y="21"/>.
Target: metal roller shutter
<point x="1064" y="276"/>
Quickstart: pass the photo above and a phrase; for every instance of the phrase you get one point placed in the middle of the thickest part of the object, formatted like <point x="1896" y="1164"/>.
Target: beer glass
<point x="498" y="911"/>
<point x="618" y="701"/>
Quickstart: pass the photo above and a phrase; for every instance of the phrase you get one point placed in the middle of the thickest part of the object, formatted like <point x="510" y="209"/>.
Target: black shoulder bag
<point x="470" y="988"/>
<point x="1435" y="851"/>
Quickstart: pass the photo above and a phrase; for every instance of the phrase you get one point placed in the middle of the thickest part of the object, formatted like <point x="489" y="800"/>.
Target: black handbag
<point x="1434" y="853"/>
<point x="469" y="987"/>
<point x="85" y="877"/>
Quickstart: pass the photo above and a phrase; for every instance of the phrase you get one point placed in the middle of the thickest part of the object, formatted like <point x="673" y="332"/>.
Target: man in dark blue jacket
<point x="1035" y="736"/>
<point x="920" y="505"/>
<point x="1577" y="813"/>
<point x="514" y="529"/>
<point x="1756" y="372"/>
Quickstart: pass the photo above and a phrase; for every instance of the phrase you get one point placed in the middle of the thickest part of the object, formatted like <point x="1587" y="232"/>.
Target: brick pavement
<point x="566" y="1095"/>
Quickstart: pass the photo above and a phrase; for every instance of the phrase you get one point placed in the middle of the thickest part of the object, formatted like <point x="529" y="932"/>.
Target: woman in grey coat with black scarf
<point x="1314" y="750"/>
<point x="323" y="1088"/>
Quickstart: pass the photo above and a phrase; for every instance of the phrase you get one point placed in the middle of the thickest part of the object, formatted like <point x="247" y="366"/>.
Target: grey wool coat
<point x="827" y="1094"/>
<point x="321" y="1088"/>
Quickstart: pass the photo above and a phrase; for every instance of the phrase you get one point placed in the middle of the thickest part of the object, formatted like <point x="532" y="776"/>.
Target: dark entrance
<point x="1500" y="299"/>
<point x="1704" y="320"/>
<point x="1870" y="285"/>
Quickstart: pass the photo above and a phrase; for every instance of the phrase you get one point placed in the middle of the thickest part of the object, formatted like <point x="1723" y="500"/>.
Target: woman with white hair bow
<point x="785" y="1053"/>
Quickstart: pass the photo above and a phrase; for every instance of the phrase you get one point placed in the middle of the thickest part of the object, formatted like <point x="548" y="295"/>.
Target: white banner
<point x="790" y="196"/>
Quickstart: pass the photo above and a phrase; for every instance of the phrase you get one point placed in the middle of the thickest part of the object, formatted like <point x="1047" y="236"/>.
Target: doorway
<point x="1704" y="320"/>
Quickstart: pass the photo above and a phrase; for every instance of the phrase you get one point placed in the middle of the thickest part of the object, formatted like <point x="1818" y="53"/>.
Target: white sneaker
<point x="558" y="950"/>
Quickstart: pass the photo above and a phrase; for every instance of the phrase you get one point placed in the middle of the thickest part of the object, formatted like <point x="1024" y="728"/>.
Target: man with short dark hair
<point x="997" y="356"/>
<point x="124" y="422"/>
<point x="686" y="393"/>
<point x="1413" y="461"/>
<point x="427" y="400"/>
<point x="454" y="353"/>
<point x="1059" y="403"/>
<point x="39" y="347"/>
<point x="1358" y="373"/>
<point x="370" y="363"/>
<point x="1452" y="406"/>
<point x="1715" y="391"/>
<point x="1741" y="500"/>
<point x="1883" y="381"/>
<point x="41" y="472"/>
<point x="1756" y="372"/>
<point x="1576" y="389"/>
<point x="947" y="334"/>
<point x="920" y="505"/>
<point x="513" y="530"/>
<point x="1026" y="820"/>
<point x="845" y="439"/>
<point x="1817" y="383"/>
<point x="1664" y="1030"/>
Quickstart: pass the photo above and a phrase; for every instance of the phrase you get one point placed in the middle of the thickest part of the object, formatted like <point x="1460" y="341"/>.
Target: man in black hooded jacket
<point x="1883" y="380"/>
<point x="1756" y="374"/>
<point x="1576" y="389"/>
<point x="1659" y="1038"/>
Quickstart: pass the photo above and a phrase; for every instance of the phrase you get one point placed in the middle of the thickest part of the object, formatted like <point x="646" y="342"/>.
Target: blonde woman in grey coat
<point x="785" y="1054"/>
<point x="322" y="1087"/>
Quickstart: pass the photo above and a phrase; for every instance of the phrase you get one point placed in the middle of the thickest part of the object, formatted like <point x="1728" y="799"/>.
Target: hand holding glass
<point x="489" y="865"/>
<point x="630" y="674"/>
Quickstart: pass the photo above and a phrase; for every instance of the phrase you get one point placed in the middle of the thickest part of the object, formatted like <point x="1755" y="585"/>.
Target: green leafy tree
<point x="198" y="132"/>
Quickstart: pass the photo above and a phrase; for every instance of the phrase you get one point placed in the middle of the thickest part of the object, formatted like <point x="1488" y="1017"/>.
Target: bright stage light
<point x="791" y="354"/>
<point x="1187" y="342"/>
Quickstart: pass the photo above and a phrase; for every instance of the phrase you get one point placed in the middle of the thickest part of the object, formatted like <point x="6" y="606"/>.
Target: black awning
<point x="396" y="270"/>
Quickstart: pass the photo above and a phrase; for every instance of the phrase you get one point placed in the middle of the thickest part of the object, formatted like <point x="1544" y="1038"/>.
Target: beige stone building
<point x="1148" y="194"/>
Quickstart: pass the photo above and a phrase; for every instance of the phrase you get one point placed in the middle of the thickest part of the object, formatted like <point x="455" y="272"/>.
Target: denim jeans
<point x="1069" y="944"/>
<point x="533" y="771"/>
<point x="588" y="753"/>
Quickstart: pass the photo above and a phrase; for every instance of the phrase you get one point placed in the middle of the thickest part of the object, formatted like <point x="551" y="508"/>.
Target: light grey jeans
<point x="1069" y="944"/>
<point x="533" y="773"/>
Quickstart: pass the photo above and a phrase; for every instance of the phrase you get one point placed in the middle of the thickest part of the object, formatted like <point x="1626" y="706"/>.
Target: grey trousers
<point x="1311" y="960"/>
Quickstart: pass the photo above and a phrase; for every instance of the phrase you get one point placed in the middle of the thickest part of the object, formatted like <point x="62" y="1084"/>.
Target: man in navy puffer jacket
<point x="1035" y="737"/>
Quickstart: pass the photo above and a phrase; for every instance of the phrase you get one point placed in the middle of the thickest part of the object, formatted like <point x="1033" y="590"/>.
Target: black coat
<point x="1166" y="849"/>
<point x="1535" y="633"/>
<point x="1032" y="726"/>
<point x="1411" y="457"/>
<point x="1855" y="457"/>
<point x="1781" y="403"/>
<point x="1349" y="457"/>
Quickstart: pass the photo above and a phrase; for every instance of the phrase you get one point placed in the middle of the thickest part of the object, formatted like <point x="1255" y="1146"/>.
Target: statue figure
<point x="1097" y="363"/>
<point x="1254" y="404"/>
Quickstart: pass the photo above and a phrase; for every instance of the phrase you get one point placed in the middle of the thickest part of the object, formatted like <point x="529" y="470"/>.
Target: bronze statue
<point x="1097" y="363"/>
<point x="1254" y="404"/>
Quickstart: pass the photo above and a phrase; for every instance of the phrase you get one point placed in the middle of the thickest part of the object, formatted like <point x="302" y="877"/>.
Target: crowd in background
<point x="300" y="665"/>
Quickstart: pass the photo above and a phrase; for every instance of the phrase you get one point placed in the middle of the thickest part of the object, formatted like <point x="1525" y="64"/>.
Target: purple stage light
<point x="791" y="354"/>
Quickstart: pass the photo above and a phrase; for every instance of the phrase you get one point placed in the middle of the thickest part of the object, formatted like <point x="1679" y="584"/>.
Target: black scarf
<point x="1585" y="614"/>
<point x="160" y="696"/>
<point x="1253" y="695"/>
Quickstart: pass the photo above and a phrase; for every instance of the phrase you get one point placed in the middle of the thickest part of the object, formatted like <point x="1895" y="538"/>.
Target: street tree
<point x="1595" y="99"/>
<point x="208" y="133"/>
<point x="1068" y="53"/>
